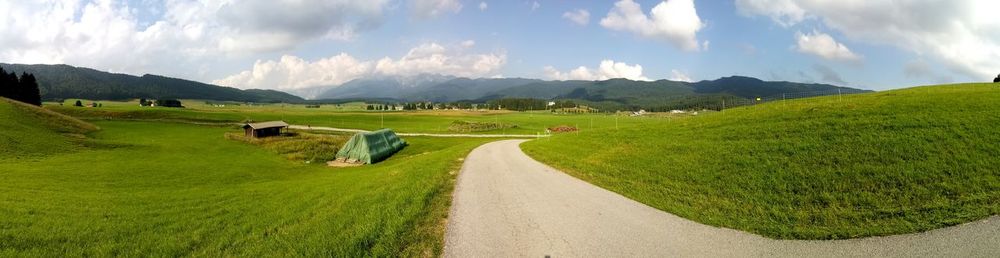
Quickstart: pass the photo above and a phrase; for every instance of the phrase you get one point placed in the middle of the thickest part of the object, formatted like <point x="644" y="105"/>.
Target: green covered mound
<point x="371" y="147"/>
<point x="30" y="130"/>
<point x="833" y="167"/>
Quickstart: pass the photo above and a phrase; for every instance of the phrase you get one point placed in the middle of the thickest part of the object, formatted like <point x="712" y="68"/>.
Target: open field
<point x="173" y="189"/>
<point x="825" y="168"/>
<point x="156" y="181"/>
<point x="430" y="121"/>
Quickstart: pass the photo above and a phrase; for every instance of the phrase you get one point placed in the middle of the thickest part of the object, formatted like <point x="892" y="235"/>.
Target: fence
<point x="721" y="102"/>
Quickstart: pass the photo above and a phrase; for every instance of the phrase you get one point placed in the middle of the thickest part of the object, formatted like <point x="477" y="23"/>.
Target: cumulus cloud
<point x="433" y="8"/>
<point x="676" y="75"/>
<point x="275" y="25"/>
<point x="291" y="72"/>
<point x="960" y="34"/>
<point x="108" y="35"/>
<point x="608" y="69"/>
<point x="483" y="6"/>
<point x="674" y="21"/>
<point x="823" y="45"/>
<point x="783" y="12"/>
<point x="578" y="16"/>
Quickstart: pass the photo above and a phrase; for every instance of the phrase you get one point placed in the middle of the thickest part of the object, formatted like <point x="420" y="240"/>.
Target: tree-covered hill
<point x="64" y="81"/>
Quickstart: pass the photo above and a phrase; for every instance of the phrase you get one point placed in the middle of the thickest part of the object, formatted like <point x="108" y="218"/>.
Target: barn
<point x="265" y="129"/>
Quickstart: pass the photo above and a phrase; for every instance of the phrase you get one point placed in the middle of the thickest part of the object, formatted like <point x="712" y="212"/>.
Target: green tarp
<point x="371" y="147"/>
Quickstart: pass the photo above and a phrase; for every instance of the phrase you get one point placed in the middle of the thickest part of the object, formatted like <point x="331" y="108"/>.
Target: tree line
<point x="23" y="89"/>
<point x="515" y="104"/>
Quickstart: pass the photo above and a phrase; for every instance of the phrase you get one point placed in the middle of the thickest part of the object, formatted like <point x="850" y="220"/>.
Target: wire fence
<point x="721" y="102"/>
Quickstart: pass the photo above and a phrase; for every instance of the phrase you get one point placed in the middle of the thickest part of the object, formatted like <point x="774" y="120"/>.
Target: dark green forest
<point x="23" y="89"/>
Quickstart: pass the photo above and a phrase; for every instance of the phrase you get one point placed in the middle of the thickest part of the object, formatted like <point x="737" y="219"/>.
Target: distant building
<point x="265" y="129"/>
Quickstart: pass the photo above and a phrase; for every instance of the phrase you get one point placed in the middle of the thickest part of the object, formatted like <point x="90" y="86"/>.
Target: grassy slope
<point x="168" y="189"/>
<point x="825" y="168"/>
<point x="27" y="130"/>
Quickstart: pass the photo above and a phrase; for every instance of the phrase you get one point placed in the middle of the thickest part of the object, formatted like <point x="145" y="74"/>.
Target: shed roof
<point x="263" y="125"/>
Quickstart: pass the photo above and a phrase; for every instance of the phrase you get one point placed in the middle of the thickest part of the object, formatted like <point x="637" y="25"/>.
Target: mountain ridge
<point x="61" y="81"/>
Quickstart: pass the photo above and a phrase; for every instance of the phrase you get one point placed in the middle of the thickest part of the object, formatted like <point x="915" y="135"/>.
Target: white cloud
<point x="425" y="9"/>
<point x="468" y="43"/>
<point x="960" y="34"/>
<point x="108" y="34"/>
<point x="676" y="75"/>
<point x="535" y="5"/>
<point x="675" y="21"/>
<point x="608" y="69"/>
<point x="578" y="16"/>
<point x="784" y="12"/>
<point x="292" y="72"/>
<point x="483" y="6"/>
<point x="823" y="45"/>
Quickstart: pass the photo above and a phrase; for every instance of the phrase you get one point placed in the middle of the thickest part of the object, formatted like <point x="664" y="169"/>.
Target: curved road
<point x="509" y="205"/>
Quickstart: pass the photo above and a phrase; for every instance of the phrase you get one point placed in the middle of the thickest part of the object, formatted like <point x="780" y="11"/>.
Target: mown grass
<point x="406" y="122"/>
<point x="874" y="164"/>
<point x="175" y="189"/>
<point x="26" y="130"/>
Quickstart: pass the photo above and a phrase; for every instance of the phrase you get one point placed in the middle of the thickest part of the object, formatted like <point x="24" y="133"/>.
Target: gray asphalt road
<point x="508" y="205"/>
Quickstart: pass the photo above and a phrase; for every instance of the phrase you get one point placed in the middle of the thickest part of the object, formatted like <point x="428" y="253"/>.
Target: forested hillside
<point x="64" y="81"/>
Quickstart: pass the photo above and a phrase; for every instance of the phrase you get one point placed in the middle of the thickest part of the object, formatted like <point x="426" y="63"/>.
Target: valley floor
<point x="171" y="189"/>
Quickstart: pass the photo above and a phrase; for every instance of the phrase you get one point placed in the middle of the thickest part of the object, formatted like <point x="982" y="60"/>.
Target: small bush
<point x="313" y="148"/>
<point x="467" y="126"/>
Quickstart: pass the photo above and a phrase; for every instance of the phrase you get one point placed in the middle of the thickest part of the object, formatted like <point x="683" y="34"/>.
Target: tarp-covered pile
<point x="370" y="147"/>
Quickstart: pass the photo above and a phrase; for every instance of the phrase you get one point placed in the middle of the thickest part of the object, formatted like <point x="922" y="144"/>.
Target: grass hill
<point x="64" y="81"/>
<point x="830" y="167"/>
<point x="30" y="130"/>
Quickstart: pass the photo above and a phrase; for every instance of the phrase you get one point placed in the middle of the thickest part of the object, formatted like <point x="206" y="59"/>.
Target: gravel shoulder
<point x="509" y="205"/>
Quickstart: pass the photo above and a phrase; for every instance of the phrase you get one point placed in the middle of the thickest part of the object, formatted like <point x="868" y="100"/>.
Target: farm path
<point x="322" y="128"/>
<point x="509" y="205"/>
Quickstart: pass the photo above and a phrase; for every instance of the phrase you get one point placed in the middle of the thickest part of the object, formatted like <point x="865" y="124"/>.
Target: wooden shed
<point x="265" y="129"/>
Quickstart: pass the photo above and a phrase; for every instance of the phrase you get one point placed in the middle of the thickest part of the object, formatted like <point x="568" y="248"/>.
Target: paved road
<point x="508" y="205"/>
<point x="321" y="128"/>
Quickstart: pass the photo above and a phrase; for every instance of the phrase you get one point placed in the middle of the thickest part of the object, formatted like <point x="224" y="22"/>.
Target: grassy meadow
<point x="140" y="188"/>
<point x="833" y="167"/>
<point x="429" y="121"/>
<point x="133" y="181"/>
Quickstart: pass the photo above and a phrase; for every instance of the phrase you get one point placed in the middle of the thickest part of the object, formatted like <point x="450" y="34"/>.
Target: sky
<point x="297" y="44"/>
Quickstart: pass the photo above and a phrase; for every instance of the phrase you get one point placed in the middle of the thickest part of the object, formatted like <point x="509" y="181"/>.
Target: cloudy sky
<point x="294" y="44"/>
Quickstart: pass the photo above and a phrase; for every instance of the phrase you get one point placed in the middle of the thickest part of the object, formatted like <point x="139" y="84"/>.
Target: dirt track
<point x="321" y="128"/>
<point x="509" y="205"/>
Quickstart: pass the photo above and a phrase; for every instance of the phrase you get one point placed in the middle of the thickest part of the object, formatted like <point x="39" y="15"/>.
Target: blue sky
<point x="297" y="44"/>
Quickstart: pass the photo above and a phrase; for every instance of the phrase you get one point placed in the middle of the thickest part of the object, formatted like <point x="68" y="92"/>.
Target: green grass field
<point x="173" y="189"/>
<point x="170" y="182"/>
<point x="883" y="163"/>
<point x="431" y="121"/>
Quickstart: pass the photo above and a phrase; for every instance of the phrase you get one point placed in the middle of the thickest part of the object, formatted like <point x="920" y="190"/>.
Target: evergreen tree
<point x="29" y="90"/>
<point x="11" y="85"/>
<point x="78" y="103"/>
<point x="6" y="86"/>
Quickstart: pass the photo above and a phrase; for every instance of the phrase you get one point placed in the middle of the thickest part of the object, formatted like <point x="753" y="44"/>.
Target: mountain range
<point x="608" y="93"/>
<point x="64" y="81"/>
